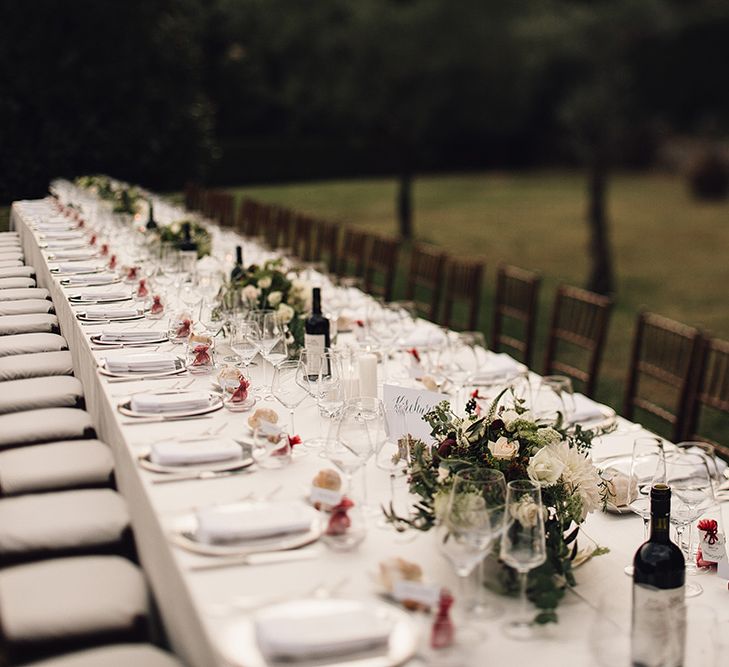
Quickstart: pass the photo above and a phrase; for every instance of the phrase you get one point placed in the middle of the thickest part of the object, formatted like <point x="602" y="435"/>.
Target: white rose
<point x="274" y="298"/>
<point x="284" y="313"/>
<point x="503" y="449"/>
<point x="265" y="282"/>
<point x="545" y="467"/>
<point x="251" y="293"/>
<point x="526" y="512"/>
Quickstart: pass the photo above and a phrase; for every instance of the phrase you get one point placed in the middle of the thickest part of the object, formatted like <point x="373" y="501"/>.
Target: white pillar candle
<point x="368" y="375"/>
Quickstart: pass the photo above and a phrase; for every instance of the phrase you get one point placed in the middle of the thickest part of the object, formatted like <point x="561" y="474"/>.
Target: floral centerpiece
<point x="269" y="286"/>
<point x="509" y="439"/>
<point x="175" y="233"/>
<point x="124" y="198"/>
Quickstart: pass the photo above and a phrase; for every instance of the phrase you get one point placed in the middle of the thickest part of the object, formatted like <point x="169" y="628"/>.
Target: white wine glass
<point x="320" y="371"/>
<point x="523" y="545"/>
<point x="554" y="399"/>
<point x="286" y="388"/>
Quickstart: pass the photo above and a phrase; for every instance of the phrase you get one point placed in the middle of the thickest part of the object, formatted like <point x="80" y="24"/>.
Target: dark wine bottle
<point x="151" y="222"/>
<point x="238" y="272"/>
<point x="187" y="243"/>
<point x="316" y="332"/>
<point x="659" y="576"/>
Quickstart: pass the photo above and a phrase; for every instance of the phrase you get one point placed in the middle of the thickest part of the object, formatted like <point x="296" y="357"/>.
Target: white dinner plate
<point x="58" y="271"/>
<point x="81" y="317"/>
<point x="81" y="258"/>
<point x="179" y="363"/>
<point x="183" y="536"/>
<point x="218" y="466"/>
<point x="96" y="340"/>
<point x="605" y="420"/>
<point x="239" y="646"/>
<point x="214" y="400"/>
<point x="78" y="299"/>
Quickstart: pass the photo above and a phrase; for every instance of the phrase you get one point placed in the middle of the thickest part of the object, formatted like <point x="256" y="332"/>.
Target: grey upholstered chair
<point x="31" y="343"/>
<point x="39" y="364"/>
<point x="116" y="655"/>
<point x="26" y="307"/>
<point x="17" y="272"/>
<point x="55" y="466"/>
<point x="17" y="282"/>
<point x="38" y="393"/>
<point x="33" y="323"/>
<point x="35" y="426"/>
<point x="24" y="293"/>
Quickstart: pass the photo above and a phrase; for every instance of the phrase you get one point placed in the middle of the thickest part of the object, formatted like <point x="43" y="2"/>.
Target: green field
<point x="671" y="253"/>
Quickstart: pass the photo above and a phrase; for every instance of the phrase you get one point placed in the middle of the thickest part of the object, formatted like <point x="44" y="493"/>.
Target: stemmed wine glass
<point x="271" y="336"/>
<point x="354" y="439"/>
<point x="286" y="388"/>
<point x="691" y="495"/>
<point x="647" y="467"/>
<point x="320" y="372"/>
<point x="523" y="544"/>
<point x="244" y="341"/>
<point x="554" y="398"/>
<point x="472" y="522"/>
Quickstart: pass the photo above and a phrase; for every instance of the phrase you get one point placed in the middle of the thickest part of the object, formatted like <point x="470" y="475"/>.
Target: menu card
<point x="404" y="410"/>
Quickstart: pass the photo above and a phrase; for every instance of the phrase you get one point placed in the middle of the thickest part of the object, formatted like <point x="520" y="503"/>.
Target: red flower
<point x="445" y="447"/>
<point x="497" y="425"/>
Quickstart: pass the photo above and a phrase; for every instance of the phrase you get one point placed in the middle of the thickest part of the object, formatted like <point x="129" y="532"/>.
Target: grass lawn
<point x="670" y="252"/>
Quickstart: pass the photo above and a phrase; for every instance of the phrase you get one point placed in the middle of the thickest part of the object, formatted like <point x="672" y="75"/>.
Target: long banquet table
<point x="196" y="605"/>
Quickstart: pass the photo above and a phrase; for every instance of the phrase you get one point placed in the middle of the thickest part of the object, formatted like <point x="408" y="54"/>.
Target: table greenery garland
<point x="174" y="233"/>
<point x="124" y="198"/>
<point x="509" y="439"/>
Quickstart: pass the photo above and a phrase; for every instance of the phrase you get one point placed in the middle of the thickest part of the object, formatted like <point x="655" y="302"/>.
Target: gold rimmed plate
<point x="81" y="317"/>
<point x="217" y="466"/>
<point x="214" y="404"/>
<point x="90" y="283"/>
<point x="78" y="299"/>
<point x="179" y="368"/>
<point x="96" y="340"/>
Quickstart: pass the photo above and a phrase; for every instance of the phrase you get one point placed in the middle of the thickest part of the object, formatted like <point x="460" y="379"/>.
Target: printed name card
<point x="404" y="410"/>
<point x="416" y="591"/>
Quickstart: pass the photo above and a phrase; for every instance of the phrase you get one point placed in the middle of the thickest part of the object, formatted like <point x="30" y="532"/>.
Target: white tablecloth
<point x="194" y="604"/>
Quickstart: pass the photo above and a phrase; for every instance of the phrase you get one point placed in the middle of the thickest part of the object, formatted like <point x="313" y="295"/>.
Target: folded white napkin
<point x="64" y="234"/>
<point x="68" y="244"/>
<point x="107" y="313"/>
<point x="54" y="226"/>
<point x="140" y="362"/>
<point x="250" y="521"/>
<point x="329" y="633"/>
<point x="92" y="278"/>
<point x="130" y="335"/>
<point x="162" y="403"/>
<point x="423" y="335"/>
<point x="495" y="366"/>
<point x="82" y="253"/>
<point x="189" y="453"/>
<point x="588" y="410"/>
<point x="95" y="295"/>
<point x="77" y="268"/>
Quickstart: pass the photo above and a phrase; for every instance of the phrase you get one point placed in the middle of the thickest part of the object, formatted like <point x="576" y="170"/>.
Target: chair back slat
<point x="381" y="267"/>
<point x="326" y="244"/>
<point x="577" y="334"/>
<point x="353" y="254"/>
<point x="712" y="392"/>
<point x="427" y="266"/>
<point x="302" y="237"/>
<point x="515" y="308"/>
<point x="662" y="371"/>
<point x="463" y="284"/>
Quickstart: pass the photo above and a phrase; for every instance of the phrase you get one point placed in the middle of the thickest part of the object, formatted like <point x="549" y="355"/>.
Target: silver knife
<point x="160" y="420"/>
<point x="114" y="380"/>
<point x="203" y="474"/>
<point x="262" y="558"/>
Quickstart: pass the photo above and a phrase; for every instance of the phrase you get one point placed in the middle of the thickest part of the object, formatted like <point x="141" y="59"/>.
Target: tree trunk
<point x="405" y="205"/>
<point x="601" y="272"/>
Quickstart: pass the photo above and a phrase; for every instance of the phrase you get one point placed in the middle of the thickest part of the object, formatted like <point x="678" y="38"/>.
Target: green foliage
<point x="174" y="233"/>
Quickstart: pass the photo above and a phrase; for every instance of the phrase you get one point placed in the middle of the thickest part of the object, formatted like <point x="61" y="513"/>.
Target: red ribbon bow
<point x="157" y="306"/>
<point x="443" y="631"/>
<point x="202" y="356"/>
<point x="340" y="522"/>
<point x="112" y="262"/>
<point x="710" y="527"/>
<point x="104" y="249"/>
<point x="183" y="330"/>
<point x="132" y="273"/>
<point x="142" y="290"/>
<point x="415" y="354"/>
<point x="240" y="395"/>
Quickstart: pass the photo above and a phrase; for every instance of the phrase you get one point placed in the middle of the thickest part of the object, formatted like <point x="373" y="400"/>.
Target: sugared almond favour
<point x="202" y="339"/>
<point x="326" y="487"/>
<point x="429" y="383"/>
<point x="396" y="569"/>
<point x="229" y="374"/>
<point x="328" y="479"/>
<point x="262" y="414"/>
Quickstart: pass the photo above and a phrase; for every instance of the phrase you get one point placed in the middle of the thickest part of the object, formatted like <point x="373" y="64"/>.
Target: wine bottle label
<point x="314" y="343"/>
<point x="659" y="626"/>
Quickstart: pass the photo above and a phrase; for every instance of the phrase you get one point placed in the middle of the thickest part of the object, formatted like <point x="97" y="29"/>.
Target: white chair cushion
<point x="33" y="426"/>
<point x="117" y="655"/>
<point x="5" y="263"/>
<point x="24" y="293"/>
<point x="42" y="523"/>
<point x="10" y="253"/>
<point x="59" y="391"/>
<point x="33" y="323"/>
<point x="17" y="271"/>
<point x="16" y="282"/>
<point x="54" y="466"/>
<point x="39" y="364"/>
<point x="31" y="342"/>
<point x="25" y="307"/>
<point x="66" y="598"/>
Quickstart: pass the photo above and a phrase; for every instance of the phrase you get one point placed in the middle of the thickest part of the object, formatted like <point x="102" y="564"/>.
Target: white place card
<point x="416" y="591"/>
<point x="404" y="410"/>
<point x="325" y="496"/>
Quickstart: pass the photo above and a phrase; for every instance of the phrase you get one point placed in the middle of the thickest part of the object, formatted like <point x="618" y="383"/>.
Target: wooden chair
<point x="381" y="267"/>
<point x="245" y="223"/>
<point x="285" y="228"/>
<point x="711" y="394"/>
<point x="302" y="244"/>
<point x="577" y="335"/>
<point x="427" y="266"/>
<point x="326" y="246"/>
<point x="664" y="357"/>
<point x="515" y="311"/>
<point x="193" y="196"/>
<point x="353" y="254"/>
<point x="463" y="283"/>
<point x="226" y="210"/>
